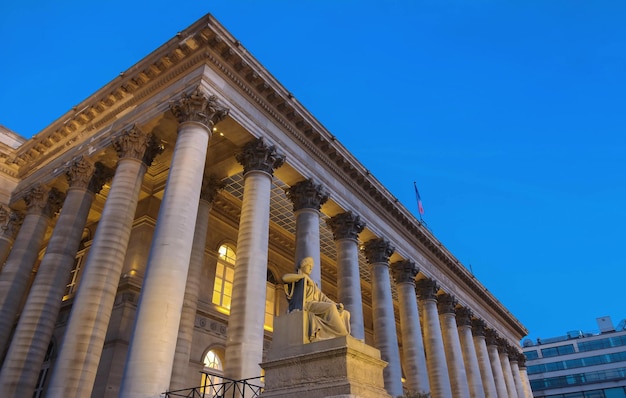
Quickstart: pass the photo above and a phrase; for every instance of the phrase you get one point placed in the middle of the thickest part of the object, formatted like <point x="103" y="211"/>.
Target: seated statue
<point x="327" y="319"/>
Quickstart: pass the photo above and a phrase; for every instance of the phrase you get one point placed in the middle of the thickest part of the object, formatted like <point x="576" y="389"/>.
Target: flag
<point x="420" y="208"/>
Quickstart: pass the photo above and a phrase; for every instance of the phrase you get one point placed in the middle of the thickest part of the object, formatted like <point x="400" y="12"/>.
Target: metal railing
<point x="226" y="388"/>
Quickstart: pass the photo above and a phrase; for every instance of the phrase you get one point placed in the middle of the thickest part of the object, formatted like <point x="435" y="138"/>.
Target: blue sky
<point x="510" y="115"/>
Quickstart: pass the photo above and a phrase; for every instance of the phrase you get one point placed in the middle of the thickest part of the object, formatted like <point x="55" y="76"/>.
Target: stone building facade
<point x="144" y="234"/>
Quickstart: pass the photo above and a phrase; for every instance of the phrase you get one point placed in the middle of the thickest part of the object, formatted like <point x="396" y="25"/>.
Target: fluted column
<point x="446" y="304"/>
<point x="377" y="252"/>
<point x="404" y="273"/>
<point x="153" y="342"/>
<point x="491" y="338"/>
<point x="433" y="340"/>
<point x="42" y="204"/>
<point x="521" y="361"/>
<point x="37" y="320"/>
<point x="307" y="197"/>
<point x="346" y="228"/>
<point x="517" y="378"/>
<point x="75" y="369"/>
<point x="244" y="346"/>
<point x="210" y="187"/>
<point x="10" y="222"/>
<point x="464" y="326"/>
<point x="503" y="352"/>
<point x="484" y="363"/>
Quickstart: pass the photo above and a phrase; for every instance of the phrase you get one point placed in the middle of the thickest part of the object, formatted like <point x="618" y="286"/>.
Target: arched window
<point x="213" y="368"/>
<point x="224" y="274"/>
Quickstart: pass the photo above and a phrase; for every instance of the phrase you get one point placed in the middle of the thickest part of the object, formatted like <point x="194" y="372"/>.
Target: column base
<point x="343" y="367"/>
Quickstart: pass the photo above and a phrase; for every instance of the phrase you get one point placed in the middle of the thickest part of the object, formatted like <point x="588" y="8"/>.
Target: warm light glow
<point x="223" y="310"/>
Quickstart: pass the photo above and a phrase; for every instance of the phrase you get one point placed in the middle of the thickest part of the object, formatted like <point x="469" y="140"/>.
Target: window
<point x="559" y="350"/>
<point x="224" y="275"/>
<point x="270" y="302"/>
<point x="43" y="373"/>
<point x="531" y="354"/>
<point x="75" y="274"/>
<point x="211" y="374"/>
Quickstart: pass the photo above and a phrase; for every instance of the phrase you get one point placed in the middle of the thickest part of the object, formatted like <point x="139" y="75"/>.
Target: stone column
<point x="307" y="197"/>
<point x="42" y="204"/>
<point x="503" y="352"/>
<point x="464" y="326"/>
<point x="433" y="340"/>
<point x="244" y="346"/>
<point x="36" y="324"/>
<point x="404" y="273"/>
<point x="75" y="369"/>
<point x="210" y="187"/>
<point x="377" y="251"/>
<point x="10" y="222"/>
<point x="446" y="304"/>
<point x="491" y="338"/>
<point x="153" y="342"/>
<point x="484" y="363"/>
<point x="517" y="378"/>
<point x="346" y="227"/>
<point x="521" y="360"/>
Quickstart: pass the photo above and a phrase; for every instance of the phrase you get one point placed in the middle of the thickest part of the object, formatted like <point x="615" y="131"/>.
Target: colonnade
<point x="445" y="349"/>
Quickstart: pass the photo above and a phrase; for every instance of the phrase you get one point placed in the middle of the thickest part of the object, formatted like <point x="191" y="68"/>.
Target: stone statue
<point x="326" y="318"/>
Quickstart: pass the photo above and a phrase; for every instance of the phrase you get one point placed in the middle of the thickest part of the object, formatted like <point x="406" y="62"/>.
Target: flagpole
<point x="420" y="208"/>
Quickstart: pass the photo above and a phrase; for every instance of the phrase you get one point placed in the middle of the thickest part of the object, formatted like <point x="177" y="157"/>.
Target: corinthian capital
<point x="261" y="156"/>
<point x="10" y="222"/>
<point x="199" y="107"/>
<point x="446" y="303"/>
<point x="491" y="336"/>
<point x="100" y="176"/>
<point x="131" y="143"/>
<point x="79" y="173"/>
<point x="478" y="327"/>
<point x="211" y="185"/>
<point x="378" y="250"/>
<point x="426" y="289"/>
<point x="404" y="271"/>
<point x="463" y="316"/>
<point x="345" y="225"/>
<point x="307" y="194"/>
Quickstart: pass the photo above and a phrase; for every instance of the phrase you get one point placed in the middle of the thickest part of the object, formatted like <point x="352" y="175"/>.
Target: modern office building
<point x="578" y="364"/>
<point x="145" y="233"/>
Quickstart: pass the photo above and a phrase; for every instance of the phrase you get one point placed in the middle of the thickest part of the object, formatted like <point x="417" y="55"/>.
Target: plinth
<point x="340" y="367"/>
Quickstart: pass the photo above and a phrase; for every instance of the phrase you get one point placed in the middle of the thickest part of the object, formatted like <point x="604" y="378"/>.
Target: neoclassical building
<point x="145" y="233"/>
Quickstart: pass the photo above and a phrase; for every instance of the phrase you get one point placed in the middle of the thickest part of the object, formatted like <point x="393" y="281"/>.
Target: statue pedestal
<point x="340" y="367"/>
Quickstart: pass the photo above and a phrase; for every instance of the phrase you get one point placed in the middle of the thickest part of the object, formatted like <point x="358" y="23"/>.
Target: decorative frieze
<point x="378" y="250"/>
<point x="346" y="225"/>
<point x="404" y="271"/>
<point x="307" y="194"/>
<point x="259" y="155"/>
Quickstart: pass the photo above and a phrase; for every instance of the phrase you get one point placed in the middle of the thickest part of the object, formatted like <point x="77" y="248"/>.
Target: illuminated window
<point x="211" y="380"/>
<point x="224" y="274"/>
<point x="270" y="302"/>
<point x="75" y="274"/>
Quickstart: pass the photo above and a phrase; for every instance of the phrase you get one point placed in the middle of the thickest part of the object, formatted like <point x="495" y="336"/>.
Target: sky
<point x="509" y="115"/>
